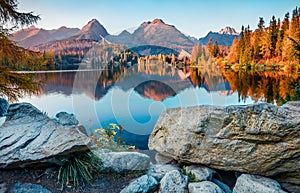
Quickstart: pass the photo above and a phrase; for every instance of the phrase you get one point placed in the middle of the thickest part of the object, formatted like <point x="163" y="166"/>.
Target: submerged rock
<point x="174" y="182"/>
<point x="204" y="187"/>
<point x="143" y="184"/>
<point x="29" y="137"/>
<point x="28" y="188"/>
<point x="253" y="183"/>
<point x="122" y="162"/>
<point x="259" y="139"/>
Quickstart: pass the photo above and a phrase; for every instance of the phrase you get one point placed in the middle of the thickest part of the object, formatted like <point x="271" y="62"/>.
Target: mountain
<point x="224" y="37"/>
<point x="155" y="33"/>
<point x="33" y="36"/>
<point x="92" y="31"/>
<point x="229" y="31"/>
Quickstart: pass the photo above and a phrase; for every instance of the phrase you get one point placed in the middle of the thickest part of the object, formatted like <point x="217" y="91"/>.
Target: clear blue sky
<point x="193" y="17"/>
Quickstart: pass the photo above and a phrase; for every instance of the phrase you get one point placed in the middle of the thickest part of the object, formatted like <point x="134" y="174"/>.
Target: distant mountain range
<point x="150" y="33"/>
<point x="224" y="37"/>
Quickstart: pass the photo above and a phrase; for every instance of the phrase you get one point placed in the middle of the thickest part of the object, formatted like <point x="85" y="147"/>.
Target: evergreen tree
<point x="210" y="45"/>
<point x="13" y="85"/>
<point x="215" y="50"/>
<point x="233" y="54"/>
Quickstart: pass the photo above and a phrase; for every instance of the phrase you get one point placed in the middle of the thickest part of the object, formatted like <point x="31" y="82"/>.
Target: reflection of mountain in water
<point x="155" y="81"/>
<point x="156" y="90"/>
<point x="160" y="81"/>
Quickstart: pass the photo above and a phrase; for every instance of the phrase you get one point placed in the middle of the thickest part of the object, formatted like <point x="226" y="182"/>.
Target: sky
<point x="192" y="17"/>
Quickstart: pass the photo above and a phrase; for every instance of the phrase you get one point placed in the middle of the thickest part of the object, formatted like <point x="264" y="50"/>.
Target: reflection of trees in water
<point x="14" y="85"/>
<point x="260" y="86"/>
<point x="263" y="86"/>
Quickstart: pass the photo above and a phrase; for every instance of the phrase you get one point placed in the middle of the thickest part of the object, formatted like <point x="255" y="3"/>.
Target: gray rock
<point x="143" y="184"/>
<point x="3" y="107"/>
<point x="28" y="188"/>
<point x="260" y="139"/>
<point x="222" y="185"/>
<point x="66" y="119"/>
<point x="173" y="182"/>
<point x="161" y="159"/>
<point x="247" y="183"/>
<point x="201" y="173"/>
<point x="158" y="171"/>
<point x="3" y="187"/>
<point x="204" y="187"/>
<point x="29" y="137"/>
<point x="124" y="161"/>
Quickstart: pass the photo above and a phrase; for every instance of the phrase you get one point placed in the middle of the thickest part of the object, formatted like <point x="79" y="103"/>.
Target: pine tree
<point x="233" y="54"/>
<point x="13" y="85"/>
<point x="210" y="45"/>
<point x="258" y="34"/>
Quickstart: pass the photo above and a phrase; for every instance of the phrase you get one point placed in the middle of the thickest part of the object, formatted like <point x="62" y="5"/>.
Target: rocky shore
<point x="254" y="148"/>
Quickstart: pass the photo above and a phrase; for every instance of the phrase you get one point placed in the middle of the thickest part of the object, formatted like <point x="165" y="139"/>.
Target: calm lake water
<point x="134" y="97"/>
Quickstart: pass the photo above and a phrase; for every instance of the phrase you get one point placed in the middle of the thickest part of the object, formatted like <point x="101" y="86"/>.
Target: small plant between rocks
<point x="106" y="138"/>
<point x="190" y="175"/>
<point x="78" y="168"/>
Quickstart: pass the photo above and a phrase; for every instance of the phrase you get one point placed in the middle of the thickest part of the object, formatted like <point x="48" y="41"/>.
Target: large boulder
<point x="143" y="184"/>
<point x="254" y="184"/>
<point x="29" y="137"/>
<point x="123" y="162"/>
<point x="259" y="139"/>
<point x="174" y="182"/>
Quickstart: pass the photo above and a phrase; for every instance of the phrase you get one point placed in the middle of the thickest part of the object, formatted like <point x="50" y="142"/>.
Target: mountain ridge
<point x="155" y="33"/>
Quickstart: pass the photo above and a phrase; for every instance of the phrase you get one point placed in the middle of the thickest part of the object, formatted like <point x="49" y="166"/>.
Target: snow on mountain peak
<point x="228" y="30"/>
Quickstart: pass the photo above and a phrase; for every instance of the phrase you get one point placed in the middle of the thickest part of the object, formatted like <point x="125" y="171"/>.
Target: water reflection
<point x="135" y="96"/>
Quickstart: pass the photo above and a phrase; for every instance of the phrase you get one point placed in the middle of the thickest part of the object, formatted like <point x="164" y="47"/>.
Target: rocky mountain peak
<point x="157" y="21"/>
<point x="228" y="30"/>
<point x="92" y="30"/>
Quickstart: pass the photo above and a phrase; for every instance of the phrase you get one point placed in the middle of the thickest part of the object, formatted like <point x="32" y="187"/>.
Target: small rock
<point x="201" y="173"/>
<point x="122" y="162"/>
<point x="204" y="187"/>
<point x="142" y="184"/>
<point x="3" y="187"/>
<point x="247" y="183"/>
<point x="3" y="107"/>
<point x="28" y="188"/>
<point x="222" y="185"/>
<point x="158" y="171"/>
<point x="174" y="182"/>
<point x="162" y="159"/>
<point x="66" y="119"/>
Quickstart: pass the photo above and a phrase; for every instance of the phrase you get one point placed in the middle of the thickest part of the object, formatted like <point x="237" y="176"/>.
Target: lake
<point x="135" y="96"/>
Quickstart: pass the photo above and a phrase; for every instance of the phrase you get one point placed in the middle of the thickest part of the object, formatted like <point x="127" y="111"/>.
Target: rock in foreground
<point x="204" y="187"/>
<point x="122" y="162"/>
<point x="142" y="184"/>
<point x="259" y="139"/>
<point x="174" y="182"/>
<point x="28" y="188"/>
<point x="29" y="137"/>
<point x="252" y="184"/>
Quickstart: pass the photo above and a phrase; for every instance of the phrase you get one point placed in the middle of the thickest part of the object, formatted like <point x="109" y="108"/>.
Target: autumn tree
<point x="232" y="56"/>
<point x="13" y="85"/>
